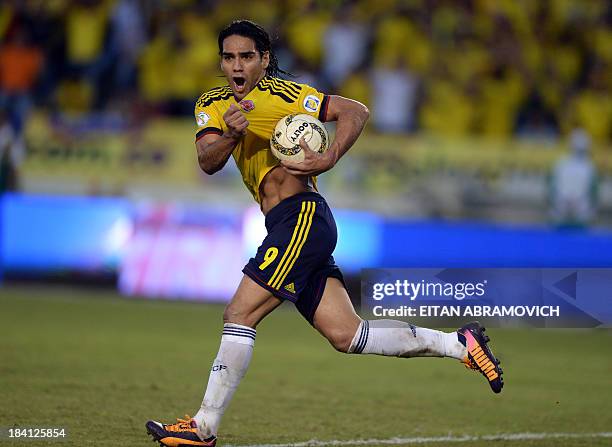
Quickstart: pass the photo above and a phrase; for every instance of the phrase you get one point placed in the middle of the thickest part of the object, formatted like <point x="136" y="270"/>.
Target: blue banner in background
<point x="560" y="298"/>
<point x="49" y="233"/>
<point x="162" y="249"/>
<point x="429" y="243"/>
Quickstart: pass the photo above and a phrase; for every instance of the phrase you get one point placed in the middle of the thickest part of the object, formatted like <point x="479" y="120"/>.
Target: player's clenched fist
<point x="235" y="121"/>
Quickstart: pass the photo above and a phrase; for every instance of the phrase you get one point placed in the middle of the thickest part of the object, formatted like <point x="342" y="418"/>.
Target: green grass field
<point x="101" y="365"/>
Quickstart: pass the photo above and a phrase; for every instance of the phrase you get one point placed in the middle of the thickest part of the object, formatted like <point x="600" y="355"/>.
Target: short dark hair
<point x="259" y="35"/>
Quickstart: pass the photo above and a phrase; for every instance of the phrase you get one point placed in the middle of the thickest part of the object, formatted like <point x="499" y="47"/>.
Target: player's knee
<point x="234" y="314"/>
<point x="340" y="339"/>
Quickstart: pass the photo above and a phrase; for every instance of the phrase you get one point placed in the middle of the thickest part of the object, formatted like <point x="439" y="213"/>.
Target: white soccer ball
<point x="285" y="140"/>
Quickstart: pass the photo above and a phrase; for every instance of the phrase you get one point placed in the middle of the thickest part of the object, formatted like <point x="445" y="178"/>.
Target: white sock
<point x="400" y="339"/>
<point x="228" y="369"/>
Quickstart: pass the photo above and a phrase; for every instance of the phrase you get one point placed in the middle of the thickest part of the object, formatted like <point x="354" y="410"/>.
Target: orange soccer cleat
<point x="479" y="356"/>
<point x="182" y="434"/>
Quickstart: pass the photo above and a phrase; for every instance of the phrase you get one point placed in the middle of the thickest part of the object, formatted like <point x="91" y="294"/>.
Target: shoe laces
<point x="181" y="425"/>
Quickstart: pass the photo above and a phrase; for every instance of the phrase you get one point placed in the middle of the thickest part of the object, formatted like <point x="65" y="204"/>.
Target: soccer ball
<point x="285" y="140"/>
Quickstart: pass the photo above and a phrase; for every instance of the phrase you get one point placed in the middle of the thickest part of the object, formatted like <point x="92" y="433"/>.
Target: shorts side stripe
<point x="278" y="281"/>
<point x="295" y="233"/>
<point x="296" y="253"/>
<point x="275" y="284"/>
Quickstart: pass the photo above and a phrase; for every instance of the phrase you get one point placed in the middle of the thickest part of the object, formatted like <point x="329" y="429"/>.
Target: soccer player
<point x="294" y="262"/>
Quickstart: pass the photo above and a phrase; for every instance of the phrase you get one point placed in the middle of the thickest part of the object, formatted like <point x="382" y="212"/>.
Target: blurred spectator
<point x="396" y="37"/>
<point x="345" y="43"/>
<point x="448" y="108"/>
<point x="591" y="108"/>
<point x="573" y="186"/>
<point x="536" y="122"/>
<point x="179" y="62"/>
<point x="304" y="29"/>
<point x="20" y="65"/>
<point x="500" y="96"/>
<point x="11" y="155"/>
<point x="89" y="53"/>
<point x="154" y="65"/>
<point x="129" y="38"/>
<point x="394" y="99"/>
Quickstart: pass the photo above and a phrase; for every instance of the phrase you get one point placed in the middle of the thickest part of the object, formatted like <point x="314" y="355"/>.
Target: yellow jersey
<point x="269" y="101"/>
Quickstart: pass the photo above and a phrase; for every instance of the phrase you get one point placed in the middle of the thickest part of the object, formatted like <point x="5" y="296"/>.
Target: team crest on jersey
<point x="202" y="118"/>
<point x="311" y="103"/>
<point x="247" y="105"/>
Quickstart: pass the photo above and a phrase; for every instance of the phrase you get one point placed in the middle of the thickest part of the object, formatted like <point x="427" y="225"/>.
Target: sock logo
<point x="413" y="329"/>
<point x="218" y="367"/>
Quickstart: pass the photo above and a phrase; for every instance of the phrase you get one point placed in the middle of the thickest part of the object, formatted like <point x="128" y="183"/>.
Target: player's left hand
<point x="313" y="163"/>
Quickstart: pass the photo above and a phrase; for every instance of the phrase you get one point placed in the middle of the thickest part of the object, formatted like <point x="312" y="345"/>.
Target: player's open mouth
<point x="239" y="83"/>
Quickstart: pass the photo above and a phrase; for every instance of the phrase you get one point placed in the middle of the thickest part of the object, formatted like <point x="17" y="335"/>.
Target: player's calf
<point x="401" y="339"/>
<point x="340" y="339"/>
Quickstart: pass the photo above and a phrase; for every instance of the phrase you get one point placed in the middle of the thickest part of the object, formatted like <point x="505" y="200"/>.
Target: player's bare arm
<point x="215" y="150"/>
<point x="351" y="117"/>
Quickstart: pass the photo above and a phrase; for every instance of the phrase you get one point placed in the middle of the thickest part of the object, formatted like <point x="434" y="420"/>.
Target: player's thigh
<point x="250" y="304"/>
<point x="335" y="317"/>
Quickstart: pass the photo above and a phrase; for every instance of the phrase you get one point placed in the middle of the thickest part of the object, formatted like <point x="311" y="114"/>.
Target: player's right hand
<point x="236" y="122"/>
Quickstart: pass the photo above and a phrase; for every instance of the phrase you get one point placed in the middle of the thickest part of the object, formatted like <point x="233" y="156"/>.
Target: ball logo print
<point x="297" y="133"/>
<point x="285" y="140"/>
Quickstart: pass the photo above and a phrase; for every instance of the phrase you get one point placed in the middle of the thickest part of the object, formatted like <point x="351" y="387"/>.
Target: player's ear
<point x="265" y="59"/>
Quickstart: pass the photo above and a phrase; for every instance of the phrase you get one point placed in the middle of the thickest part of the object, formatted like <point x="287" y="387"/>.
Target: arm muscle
<point x="214" y="151"/>
<point x="351" y="117"/>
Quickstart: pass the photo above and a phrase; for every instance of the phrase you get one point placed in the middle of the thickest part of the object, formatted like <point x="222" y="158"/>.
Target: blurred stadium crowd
<point x="533" y="69"/>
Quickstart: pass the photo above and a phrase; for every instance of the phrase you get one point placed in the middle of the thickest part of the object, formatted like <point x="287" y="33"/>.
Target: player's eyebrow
<point x="242" y="54"/>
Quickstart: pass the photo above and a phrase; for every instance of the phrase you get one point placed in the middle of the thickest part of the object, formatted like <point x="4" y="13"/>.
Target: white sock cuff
<point x="239" y="334"/>
<point x="361" y="337"/>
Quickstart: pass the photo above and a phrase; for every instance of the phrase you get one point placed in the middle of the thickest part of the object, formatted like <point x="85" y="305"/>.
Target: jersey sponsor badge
<point x="202" y="118"/>
<point x="247" y="105"/>
<point x="311" y="103"/>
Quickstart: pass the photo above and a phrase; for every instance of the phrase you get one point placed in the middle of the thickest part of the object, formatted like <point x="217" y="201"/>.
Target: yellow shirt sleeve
<point x="207" y="116"/>
<point x="313" y="103"/>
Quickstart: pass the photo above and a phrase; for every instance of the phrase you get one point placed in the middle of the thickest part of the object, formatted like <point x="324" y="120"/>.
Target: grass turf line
<point x="101" y="365"/>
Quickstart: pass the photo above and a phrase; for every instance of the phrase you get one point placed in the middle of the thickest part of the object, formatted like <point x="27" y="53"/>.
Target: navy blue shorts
<point x="295" y="259"/>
